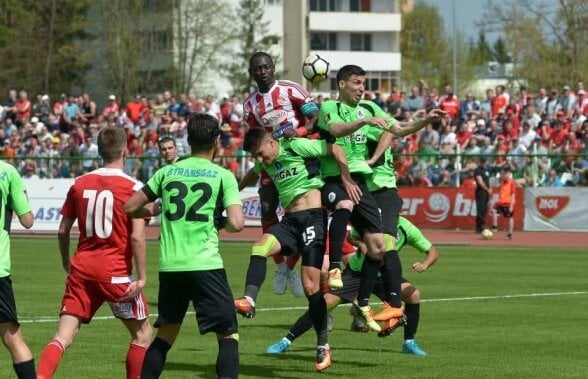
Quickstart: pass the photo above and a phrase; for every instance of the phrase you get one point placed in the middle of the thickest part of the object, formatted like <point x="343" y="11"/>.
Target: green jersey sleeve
<point x="414" y="237"/>
<point x="231" y="195"/>
<point x="309" y="148"/>
<point x="153" y="188"/>
<point x="329" y="114"/>
<point x="18" y="194"/>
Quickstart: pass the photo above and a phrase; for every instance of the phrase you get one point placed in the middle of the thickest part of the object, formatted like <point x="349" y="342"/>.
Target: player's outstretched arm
<point x="342" y="129"/>
<point x="235" y="219"/>
<point x="403" y="129"/>
<point x="432" y="257"/>
<point x="63" y="236"/>
<point x="351" y="187"/>
<point x="135" y="206"/>
<point x="249" y="178"/>
<point x="140" y="258"/>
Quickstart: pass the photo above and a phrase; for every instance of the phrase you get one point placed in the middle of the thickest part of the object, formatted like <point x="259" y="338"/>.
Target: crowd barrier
<point x="537" y="209"/>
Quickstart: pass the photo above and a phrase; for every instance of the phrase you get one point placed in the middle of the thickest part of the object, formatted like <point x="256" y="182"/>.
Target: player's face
<point x="353" y="87"/>
<point x="168" y="151"/>
<point x="267" y="152"/>
<point x="262" y="70"/>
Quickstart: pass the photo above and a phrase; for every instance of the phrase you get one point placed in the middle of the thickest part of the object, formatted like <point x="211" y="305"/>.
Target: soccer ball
<point x="315" y="69"/>
<point x="487" y="234"/>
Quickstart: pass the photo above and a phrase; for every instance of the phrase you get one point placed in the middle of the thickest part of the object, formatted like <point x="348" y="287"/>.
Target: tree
<point x="499" y="52"/>
<point x="204" y="31"/>
<point x="547" y="40"/>
<point x="39" y="44"/>
<point x="481" y="53"/>
<point x="118" y="44"/>
<point x="255" y="37"/>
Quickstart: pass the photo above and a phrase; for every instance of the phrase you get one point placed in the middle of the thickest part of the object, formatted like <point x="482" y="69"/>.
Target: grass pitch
<point x="486" y="313"/>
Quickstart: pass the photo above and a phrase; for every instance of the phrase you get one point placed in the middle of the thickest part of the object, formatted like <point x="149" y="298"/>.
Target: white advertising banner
<point x="556" y="209"/>
<point x="46" y="197"/>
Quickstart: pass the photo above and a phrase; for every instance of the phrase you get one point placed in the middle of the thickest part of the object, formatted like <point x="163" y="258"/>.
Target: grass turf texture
<point x="488" y="337"/>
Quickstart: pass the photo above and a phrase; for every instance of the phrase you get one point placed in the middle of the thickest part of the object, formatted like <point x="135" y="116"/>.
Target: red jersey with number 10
<point x="104" y="251"/>
<point x="278" y="110"/>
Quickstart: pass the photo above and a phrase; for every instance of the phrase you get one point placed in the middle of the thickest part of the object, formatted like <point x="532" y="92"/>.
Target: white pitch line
<point x="43" y="319"/>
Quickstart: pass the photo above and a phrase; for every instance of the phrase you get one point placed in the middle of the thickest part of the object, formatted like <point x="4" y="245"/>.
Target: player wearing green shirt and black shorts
<point x="12" y="197"/>
<point x="194" y="193"/>
<point x="295" y="170"/>
<point x="408" y="234"/>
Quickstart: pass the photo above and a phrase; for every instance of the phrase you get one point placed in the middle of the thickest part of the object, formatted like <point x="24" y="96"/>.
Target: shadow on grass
<point x="209" y="370"/>
<point x="309" y="356"/>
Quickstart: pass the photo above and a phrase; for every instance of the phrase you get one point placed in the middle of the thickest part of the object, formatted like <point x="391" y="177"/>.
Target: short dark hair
<point x="254" y="138"/>
<point x="165" y="139"/>
<point x="347" y="71"/>
<point x="111" y="142"/>
<point x="203" y="131"/>
<point x="260" y="54"/>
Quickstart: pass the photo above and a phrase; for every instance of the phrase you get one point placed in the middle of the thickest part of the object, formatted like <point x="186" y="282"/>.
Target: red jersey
<point x="104" y="251"/>
<point x="506" y="192"/>
<point x="279" y="109"/>
<point x="451" y="106"/>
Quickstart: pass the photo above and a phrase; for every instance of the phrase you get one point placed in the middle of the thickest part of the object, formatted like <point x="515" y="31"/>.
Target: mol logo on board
<point x="550" y="206"/>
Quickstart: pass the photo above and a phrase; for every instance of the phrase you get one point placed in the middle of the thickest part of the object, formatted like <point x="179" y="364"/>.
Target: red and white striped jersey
<point x="278" y="110"/>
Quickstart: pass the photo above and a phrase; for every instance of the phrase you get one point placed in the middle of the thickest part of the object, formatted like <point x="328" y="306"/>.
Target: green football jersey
<point x="355" y="144"/>
<point x="408" y="234"/>
<point x="296" y="169"/>
<point x="383" y="174"/>
<point x="13" y="198"/>
<point x="194" y="192"/>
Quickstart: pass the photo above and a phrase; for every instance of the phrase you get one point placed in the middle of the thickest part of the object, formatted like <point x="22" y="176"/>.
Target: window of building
<point x="326" y="5"/>
<point x="361" y="42"/>
<point x="323" y="41"/>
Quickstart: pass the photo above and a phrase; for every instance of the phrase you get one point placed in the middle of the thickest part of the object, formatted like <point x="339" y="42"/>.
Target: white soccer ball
<point x="487" y="234"/>
<point x="315" y="69"/>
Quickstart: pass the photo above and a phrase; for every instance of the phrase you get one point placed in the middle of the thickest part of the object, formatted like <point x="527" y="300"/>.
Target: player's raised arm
<point x="250" y="177"/>
<point x="351" y="187"/>
<point x="403" y="129"/>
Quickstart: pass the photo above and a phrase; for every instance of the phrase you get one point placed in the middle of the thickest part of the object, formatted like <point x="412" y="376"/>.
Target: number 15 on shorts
<point x="308" y="235"/>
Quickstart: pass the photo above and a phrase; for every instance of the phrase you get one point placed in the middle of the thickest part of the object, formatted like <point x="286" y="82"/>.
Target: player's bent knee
<point x="265" y="246"/>
<point x="411" y="295"/>
<point x="345" y="204"/>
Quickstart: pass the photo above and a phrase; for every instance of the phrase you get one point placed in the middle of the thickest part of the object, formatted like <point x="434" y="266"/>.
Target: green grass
<point x="492" y="336"/>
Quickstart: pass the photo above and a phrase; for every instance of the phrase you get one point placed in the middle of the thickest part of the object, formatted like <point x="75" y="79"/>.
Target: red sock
<point x="135" y="357"/>
<point x="278" y="258"/>
<point x="50" y="358"/>
<point x="291" y="261"/>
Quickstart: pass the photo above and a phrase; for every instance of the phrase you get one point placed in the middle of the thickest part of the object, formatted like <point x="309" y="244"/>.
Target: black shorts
<point x="504" y="210"/>
<point x="390" y="204"/>
<point x="351" y="280"/>
<point x="7" y="303"/>
<point x="365" y="217"/>
<point x="303" y="232"/>
<point x="211" y="298"/>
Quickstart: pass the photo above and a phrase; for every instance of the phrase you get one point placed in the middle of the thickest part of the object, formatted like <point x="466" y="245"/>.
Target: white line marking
<point x="43" y="319"/>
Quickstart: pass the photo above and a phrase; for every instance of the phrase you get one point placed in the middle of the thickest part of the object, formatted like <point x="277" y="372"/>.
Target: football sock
<point x="317" y="307"/>
<point x="155" y="359"/>
<point x="300" y="327"/>
<point x="412" y="312"/>
<point x="369" y="276"/>
<point x="291" y="261"/>
<point x="25" y="370"/>
<point x="337" y="232"/>
<point x="255" y="276"/>
<point x="134" y="362"/>
<point x="227" y="361"/>
<point x="278" y="259"/>
<point x="50" y="358"/>
<point x="392" y="278"/>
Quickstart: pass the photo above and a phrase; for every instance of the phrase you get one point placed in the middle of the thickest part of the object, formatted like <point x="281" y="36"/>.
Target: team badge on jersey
<point x="332" y="196"/>
<point x="360" y="114"/>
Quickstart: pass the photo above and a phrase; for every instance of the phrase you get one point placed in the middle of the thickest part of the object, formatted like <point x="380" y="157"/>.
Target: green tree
<point x="499" y="52"/>
<point x="481" y="53"/>
<point x="255" y="36"/>
<point x="118" y="46"/>
<point x="425" y="50"/>
<point x="204" y="31"/>
<point x="39" y="44"/>
<point x="547" y="40"/>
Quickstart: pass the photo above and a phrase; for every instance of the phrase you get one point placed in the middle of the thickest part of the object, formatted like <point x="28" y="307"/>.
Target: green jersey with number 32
<point x="194" y="192"/>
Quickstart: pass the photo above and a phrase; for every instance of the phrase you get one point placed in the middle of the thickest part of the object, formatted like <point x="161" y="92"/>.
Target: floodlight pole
<point x="454" y="50"/>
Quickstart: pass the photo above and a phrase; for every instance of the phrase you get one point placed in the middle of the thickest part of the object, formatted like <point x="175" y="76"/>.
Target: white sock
<point x="408" y="341"/>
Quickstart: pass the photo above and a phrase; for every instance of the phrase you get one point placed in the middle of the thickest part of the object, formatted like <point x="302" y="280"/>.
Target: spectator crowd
<point x="542" y="136"/>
